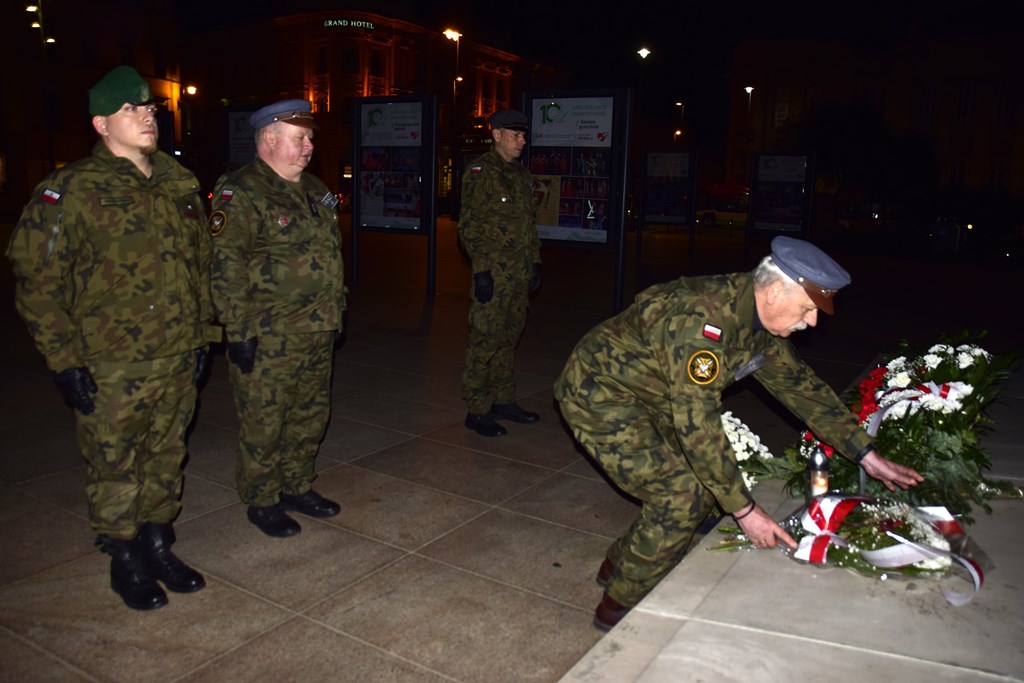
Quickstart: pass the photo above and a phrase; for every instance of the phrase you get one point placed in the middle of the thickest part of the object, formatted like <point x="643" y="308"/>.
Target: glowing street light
<point x="191" y="89"/>
<point x="452" y="34"/>
<point x="643" y="52"/>
<point x="749" y="90"/>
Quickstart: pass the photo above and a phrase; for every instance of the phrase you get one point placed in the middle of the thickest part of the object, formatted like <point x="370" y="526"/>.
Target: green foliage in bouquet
<point x="926" y="411"/>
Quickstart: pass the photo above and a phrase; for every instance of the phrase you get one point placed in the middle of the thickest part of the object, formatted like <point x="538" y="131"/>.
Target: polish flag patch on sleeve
<point x="50" y="196"/>
<point x="476" y="169"/>
<point x="226" y="195"/>
<point x="712" y="332"/>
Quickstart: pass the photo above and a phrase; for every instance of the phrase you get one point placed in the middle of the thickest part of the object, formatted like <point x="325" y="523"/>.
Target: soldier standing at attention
<point x="278" y="288"/>
<point x="643" y="394"/>
<point x="112" y="263"/>
<point x="498" y="231"/>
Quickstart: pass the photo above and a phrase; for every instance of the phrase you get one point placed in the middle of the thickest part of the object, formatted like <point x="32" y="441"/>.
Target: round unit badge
<point x="218" y="219"/>
<point x="703" y="367"/>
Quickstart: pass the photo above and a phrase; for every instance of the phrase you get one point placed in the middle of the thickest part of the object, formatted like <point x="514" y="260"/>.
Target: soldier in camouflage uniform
<point x="278" y="288"/>
<point x="498" y="231"/>
<point x="643" y="394"/>
<point x="112" y="262"/>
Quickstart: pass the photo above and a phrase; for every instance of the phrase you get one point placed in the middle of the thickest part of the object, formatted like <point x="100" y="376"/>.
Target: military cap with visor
<point x="811" y="268"/>
<point x="122" y="85"/>
<point x="508" y="118"/>
<point x="296" y="112"/>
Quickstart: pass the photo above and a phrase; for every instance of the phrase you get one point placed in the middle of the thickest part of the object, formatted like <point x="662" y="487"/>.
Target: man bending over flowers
<point x="642" y="392"/>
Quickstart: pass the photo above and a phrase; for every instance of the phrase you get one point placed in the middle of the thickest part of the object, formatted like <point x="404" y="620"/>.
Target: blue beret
<point x="811" y="268"/>
<point x="508" y="118"/>
<point x="295" y="112"/>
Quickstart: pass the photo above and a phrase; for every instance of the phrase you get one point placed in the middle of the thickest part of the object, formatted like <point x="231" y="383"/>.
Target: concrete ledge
<point x="761" y="616"/>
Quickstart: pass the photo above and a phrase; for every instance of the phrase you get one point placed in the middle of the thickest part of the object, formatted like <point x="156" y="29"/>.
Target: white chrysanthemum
<point x="964" y="360"/>
<point x="928" y="535"/>
<point x="974" y="350"/>
<point x="897" y="364"/>
<point x="931" y="360"/>
<point x="941" y="348"/>
<point x="745" y="444"/>
<point x="939" y="404"/>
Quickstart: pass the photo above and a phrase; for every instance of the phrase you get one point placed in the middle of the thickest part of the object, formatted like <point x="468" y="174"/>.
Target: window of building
<point x="350" y="61"/>
<point x="127" y="49"/>
<point x="957" y="173"/>
<point x="963" y="112"/>
<point x="998" y="170"/>
<point x="377" y="62"/>
<point x="1005" y="106"/>
<point x="926" y="99"/>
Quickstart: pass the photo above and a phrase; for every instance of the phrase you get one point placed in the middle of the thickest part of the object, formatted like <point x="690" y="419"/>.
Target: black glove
<point x="75" y="385"/>
<point x="535" y="278"/>
<point x="243" y="354"/>
<point x="483" y="286"/>
<point x="202" y="361"/>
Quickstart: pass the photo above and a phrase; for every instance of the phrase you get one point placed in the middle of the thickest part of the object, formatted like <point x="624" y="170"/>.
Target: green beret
<point x="123" y="84"/>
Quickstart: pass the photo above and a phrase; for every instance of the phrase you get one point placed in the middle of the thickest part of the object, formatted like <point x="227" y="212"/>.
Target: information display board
<point x="390" y="165"/>
<point x="668" y="188"/>
<point x="781" y="193"/>
<point x="572" y="159"/>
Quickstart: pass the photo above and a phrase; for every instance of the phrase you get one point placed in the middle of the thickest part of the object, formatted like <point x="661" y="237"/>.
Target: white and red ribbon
<point x="825" y="515"/>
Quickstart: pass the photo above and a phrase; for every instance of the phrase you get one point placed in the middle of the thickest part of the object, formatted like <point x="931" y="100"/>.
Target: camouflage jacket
<point x="498" y="222"/>
<point x="673" y="352"/>
<point x="112" y="265"/>
<point x="277" y="254"/>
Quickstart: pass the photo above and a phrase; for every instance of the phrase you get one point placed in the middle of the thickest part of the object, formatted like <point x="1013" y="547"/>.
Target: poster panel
<point x="780" y="197"/>
<point x="390" y="165"/>
<point x="570" y="156"/>
<point x="668" y="188"/>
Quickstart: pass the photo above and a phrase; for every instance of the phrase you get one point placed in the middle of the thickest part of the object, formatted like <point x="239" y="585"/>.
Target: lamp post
<point x="749" y="89"/>
<point x="679" y="131"/>
<point x="452" y="178"/>
<point x="452" y="34"/>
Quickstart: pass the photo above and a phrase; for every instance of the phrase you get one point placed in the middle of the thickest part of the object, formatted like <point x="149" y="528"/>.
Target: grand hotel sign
<point x="348" y="23"/>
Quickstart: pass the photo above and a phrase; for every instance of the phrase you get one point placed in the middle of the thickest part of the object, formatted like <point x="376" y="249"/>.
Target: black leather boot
<point x="515" y="412"/>
<point x="484" y="425"/>
<point x="163" y="565"/>
<point x="129" y="577"/>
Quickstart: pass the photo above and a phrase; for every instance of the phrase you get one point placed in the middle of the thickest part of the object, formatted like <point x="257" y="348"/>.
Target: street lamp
<point x="452" y="34"/>
<point x="749" y="90"/>
<point x="643" y="52"/>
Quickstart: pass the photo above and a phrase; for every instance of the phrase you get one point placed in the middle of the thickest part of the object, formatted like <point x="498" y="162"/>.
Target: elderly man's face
<point x="508" y="143"/>
<point x="787" y="309"/>
<point x="290" y="148"/>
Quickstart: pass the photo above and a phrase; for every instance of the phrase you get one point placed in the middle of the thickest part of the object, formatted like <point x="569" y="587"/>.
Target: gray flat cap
<point x="814" y="270"/>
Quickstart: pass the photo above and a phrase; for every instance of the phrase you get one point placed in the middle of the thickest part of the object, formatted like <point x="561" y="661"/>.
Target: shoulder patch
<point x="218" y="221"/>
<point x="226" y="195"/>
<point x="476" y="169"/>
<point x="703" y="367"/>
<point x="50" y="196"/>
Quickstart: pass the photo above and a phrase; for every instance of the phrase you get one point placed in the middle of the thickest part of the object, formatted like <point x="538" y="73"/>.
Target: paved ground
<point x="455" y="557"/>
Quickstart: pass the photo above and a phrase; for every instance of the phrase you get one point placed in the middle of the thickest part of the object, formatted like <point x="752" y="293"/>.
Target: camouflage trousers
<point x="284" y="406"/>
<point x="494" y="330"/>
<point x="641" y="455"/>
<point x="134" y="442"/>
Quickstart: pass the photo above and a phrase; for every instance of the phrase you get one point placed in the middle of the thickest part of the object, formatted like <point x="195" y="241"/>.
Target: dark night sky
<point x="691" y="42"/>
